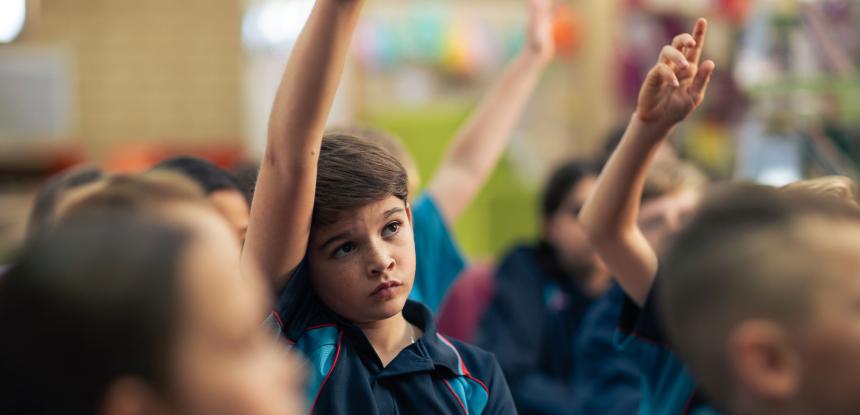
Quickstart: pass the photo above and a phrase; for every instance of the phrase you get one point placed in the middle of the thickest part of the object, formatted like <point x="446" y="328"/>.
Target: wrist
<point x="652" y="127"/>
<point x="650" y="130"/>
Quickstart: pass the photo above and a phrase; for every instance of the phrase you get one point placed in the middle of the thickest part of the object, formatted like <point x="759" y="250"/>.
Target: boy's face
<point x="363" y="266"/>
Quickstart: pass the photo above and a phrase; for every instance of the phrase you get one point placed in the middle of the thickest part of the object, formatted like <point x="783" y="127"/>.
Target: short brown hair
<point x="133" y="195"/>
<point x="353" y="172"/>
<point x="389" y="143"/>
<point x="745" y="254"/>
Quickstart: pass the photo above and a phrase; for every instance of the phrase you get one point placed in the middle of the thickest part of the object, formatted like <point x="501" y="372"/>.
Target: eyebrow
<point x="328" y="241"/>
<point x="392" y="211"/>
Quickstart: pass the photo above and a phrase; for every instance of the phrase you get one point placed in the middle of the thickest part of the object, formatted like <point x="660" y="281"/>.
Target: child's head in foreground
<point x="361" y="251"/>
<point x="761" y="296"/>
<point x="134" y="300"/>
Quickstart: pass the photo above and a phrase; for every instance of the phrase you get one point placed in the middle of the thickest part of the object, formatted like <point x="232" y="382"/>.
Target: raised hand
<point x="677" y="84"/>
<point x="539" y="39"/>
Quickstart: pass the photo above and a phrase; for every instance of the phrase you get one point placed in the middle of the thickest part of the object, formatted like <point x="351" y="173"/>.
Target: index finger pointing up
<point x="699" y="31"/>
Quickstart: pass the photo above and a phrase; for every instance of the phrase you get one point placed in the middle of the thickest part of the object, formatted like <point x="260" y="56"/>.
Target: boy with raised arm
<point x="331" y="225"/>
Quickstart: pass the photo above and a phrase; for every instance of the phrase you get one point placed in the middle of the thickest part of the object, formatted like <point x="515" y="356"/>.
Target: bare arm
<point x="280" y="222"/>
<point x="673" y="89"/>
<point x="480" y="142"/>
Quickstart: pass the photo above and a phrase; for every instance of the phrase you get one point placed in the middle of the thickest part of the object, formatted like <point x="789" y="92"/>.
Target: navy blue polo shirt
<point x="668" y="388"/>
<point x="436" y="375"/>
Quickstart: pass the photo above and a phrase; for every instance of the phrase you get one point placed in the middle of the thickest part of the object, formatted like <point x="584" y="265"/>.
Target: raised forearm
<point x="478" y="145"/>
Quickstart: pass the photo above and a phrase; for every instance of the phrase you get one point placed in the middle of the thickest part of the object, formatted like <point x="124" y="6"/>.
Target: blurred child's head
<point x="54" y="192"/>
<point x="220" y="186"/>
<point x="760" y="295"/>
<point x="361" y="251"/>
<point x="671" y="193"/>
<point x="563" y="197"/>
<point x="389" y="143"/>
<point x="154" y="193"/>
<point x="119" y="314"/>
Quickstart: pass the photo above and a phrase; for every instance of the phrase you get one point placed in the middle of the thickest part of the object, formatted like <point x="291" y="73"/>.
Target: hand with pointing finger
<point x="677" y="84"/>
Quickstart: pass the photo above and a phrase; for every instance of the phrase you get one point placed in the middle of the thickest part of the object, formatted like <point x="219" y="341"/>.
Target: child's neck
<point x="390" y="336"/>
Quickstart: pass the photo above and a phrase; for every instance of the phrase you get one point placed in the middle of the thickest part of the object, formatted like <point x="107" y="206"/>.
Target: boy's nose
<point x="380" y="261"/>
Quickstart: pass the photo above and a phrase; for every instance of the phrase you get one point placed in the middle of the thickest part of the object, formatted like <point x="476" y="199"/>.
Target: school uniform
<point x="531" y="325"/>
<point x="438" y="259"/>
<point x="668" y="388"/>
<point x="607" y="381"/>
<point x="435" y="375"/>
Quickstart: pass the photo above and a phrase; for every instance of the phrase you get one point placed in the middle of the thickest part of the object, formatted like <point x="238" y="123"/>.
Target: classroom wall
<point x="143" y="70"/>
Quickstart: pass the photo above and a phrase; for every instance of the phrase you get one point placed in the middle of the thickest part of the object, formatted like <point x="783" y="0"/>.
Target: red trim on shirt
<point x="463" y="407"/>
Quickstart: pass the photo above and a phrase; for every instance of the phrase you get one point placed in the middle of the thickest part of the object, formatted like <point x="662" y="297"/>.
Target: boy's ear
<point x="763" y="361"/>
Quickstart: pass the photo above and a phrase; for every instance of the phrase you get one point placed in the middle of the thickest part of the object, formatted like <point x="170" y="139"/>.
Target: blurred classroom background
<point x="126" y="83"/>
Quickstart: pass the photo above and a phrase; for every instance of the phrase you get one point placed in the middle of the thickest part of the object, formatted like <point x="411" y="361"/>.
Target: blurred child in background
<point x="542" y="293"/>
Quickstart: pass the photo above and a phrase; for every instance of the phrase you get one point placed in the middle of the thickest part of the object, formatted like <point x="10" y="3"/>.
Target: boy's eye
<point x="390" y="229"/>
<point x="344" y="250"/>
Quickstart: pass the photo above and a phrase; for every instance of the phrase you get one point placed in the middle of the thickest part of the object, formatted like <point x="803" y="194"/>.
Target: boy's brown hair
<point x="745" y="254"/>
<point x="353" y="172"/>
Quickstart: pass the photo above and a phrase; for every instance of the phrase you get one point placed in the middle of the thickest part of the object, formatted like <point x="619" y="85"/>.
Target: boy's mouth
<point x="386" y="289"/>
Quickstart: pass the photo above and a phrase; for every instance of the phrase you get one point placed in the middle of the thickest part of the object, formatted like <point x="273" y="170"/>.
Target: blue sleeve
<point x="438" y="261"/>
<point x="667" y="386"/>
<point x="607" y="381"/>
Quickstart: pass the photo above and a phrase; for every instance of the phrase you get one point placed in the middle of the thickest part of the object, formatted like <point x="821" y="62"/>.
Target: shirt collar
<point x="430" y="352"/>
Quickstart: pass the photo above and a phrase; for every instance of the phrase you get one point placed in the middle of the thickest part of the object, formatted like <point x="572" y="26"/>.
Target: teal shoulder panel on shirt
<point x="438" y="260"/>
<point x="320" y="346"/>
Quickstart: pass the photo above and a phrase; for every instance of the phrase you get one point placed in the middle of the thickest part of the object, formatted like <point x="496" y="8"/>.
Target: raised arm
<point x="672" y="90"/>
<point x="479" y="143"/>
<point x="280" y="222"/>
